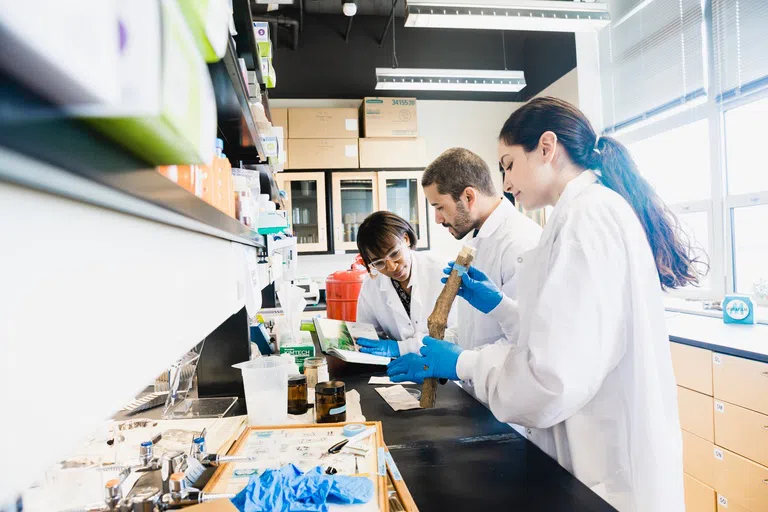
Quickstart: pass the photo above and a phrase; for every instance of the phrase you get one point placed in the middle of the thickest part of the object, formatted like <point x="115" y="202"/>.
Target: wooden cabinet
<point x="699" y="459"/>
<point x="741" y="381"/>
<point x="742" y="431"/>
<point x="696" y="413"/>
<point x="693" y="367"/>
<point x="742" y="481"/>
<point x="699" y="497"/>
<point x="355" y="196"/>
<point x="401" y="193"/>
<point x="305" y="203"/>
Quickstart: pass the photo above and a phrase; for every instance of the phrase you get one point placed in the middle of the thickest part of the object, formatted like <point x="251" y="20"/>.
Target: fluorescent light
<point x="537" y="15"/>
<point x="403" y="79"/>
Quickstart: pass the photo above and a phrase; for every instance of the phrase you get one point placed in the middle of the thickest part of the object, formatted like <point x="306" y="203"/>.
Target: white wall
<point x="473" y="125"/>
<point x="566" y="88"/>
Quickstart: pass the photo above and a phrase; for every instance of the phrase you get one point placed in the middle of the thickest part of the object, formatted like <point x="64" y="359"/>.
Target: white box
<point x="65" y="51"/>
<point x="261" y="30"/>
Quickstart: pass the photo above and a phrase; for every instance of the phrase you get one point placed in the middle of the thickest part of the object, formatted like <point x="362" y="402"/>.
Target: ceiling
<point x="336" y="59"/>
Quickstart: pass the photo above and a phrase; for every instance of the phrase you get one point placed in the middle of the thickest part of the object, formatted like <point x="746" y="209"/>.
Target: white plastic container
<point x="266" y="389"/>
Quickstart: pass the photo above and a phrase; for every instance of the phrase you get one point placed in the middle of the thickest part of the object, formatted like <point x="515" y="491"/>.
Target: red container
<point x="342" y="289"/>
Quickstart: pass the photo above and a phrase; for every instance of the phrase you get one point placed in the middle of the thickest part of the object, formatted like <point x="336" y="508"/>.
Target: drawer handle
<point x="765" y="480"/>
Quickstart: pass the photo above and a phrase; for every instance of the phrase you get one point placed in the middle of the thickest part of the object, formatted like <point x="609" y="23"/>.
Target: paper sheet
<point x="398" y="398"/>
<point x="386" y="381"/>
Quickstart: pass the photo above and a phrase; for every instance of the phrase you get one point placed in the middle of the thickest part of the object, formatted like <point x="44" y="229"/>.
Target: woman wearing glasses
<point x="403" y="286"/>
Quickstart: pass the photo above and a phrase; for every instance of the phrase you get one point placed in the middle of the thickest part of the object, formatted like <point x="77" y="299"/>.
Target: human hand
<point x="477" y="289"/>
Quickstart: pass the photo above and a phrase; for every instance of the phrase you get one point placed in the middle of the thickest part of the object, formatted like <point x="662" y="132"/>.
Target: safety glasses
<point x="396" y="255"/>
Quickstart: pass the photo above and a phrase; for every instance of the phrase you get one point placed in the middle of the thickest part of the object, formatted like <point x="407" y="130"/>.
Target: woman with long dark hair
<point x="590" y="374"/>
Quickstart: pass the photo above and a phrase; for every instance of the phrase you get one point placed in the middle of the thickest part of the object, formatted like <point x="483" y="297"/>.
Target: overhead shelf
<point x="47" y="151"/>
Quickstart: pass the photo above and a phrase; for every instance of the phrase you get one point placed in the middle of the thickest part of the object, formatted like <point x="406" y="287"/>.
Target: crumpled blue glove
<point x="289" y="490"/>
<point x="438" y="360"/>
<point x="386" y="348"/>
<point x="477" y="289"/>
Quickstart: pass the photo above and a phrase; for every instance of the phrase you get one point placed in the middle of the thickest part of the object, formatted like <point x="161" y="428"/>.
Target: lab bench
<point x="457" y="456"/>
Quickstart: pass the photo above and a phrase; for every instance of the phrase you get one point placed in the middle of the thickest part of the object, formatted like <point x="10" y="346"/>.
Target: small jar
<point x="330" y="402"/>
<point x="297" y="394"/>
<point x="316" y="370"/>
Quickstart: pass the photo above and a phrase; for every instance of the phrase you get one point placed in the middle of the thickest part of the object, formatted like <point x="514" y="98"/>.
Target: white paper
<point x="350" y="151"/>
<point x="386" y="381"/>
<point x="351" y="125"/>
<point x="398" y="398"/>
<point x="362" y="330"/>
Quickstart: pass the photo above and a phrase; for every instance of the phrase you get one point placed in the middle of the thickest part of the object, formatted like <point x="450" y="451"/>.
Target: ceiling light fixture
<point x="349" y="7"/>
<point x="403" y="79"/>
<point x="535" y="15"/>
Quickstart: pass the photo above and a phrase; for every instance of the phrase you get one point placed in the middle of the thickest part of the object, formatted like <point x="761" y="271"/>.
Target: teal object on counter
<point x="738" y="309"/>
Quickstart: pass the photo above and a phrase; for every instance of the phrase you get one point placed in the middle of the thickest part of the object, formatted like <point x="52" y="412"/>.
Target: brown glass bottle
<point x="297" y="394"/>
<point x="330" y="402"/>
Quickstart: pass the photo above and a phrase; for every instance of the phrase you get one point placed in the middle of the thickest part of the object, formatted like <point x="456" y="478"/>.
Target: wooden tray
<point x="304" y="445"/>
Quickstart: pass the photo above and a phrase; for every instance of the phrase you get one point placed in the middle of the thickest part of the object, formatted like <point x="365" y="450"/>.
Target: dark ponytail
<point x="672" y="251"/>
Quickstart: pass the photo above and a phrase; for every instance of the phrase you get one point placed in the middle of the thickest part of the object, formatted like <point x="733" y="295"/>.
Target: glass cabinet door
<point x="400" y="192"/>
<point x="305" y="203"/>
<point x="355" y="196"/>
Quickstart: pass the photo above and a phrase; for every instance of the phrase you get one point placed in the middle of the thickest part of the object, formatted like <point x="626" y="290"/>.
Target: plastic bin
<point x="342" y="289"/>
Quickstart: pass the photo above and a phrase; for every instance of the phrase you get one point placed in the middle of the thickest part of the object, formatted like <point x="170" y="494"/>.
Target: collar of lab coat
<point x="385" y="282"/>
<point x="494" y="220"/>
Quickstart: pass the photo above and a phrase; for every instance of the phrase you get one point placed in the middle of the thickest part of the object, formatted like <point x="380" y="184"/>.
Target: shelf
<point x="234" y="113"/>
<point x="42" y="149"/>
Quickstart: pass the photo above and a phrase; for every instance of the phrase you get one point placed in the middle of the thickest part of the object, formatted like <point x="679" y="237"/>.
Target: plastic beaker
<point x="266" y="389"/>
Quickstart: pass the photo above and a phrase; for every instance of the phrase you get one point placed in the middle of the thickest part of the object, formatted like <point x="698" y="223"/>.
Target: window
<point x="750" y="251"/>
<point x="678" y="174"/>
<point x="745" y="129"/>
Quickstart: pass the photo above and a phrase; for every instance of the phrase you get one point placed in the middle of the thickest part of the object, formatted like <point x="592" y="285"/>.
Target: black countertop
<point x="457" y="456"/>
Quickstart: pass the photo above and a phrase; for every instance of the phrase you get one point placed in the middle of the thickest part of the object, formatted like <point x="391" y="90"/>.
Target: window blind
<point x="651" y="59"/>
<point x="739" y="30"/>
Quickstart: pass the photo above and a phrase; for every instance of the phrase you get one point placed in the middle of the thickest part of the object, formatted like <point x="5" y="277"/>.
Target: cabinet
<point x="305" y="203"/>
<point x="400" y="192"/>
<point x="355" y="196"/>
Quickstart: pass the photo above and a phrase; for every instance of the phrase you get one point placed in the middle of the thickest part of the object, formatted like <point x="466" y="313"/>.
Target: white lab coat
<point x="379" y="304"/>
<point x="504" y="236"/>
<point x="591" y="373"/>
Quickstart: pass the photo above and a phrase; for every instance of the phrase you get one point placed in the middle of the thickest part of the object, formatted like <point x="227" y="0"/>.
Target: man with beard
<point x="459" y="185"/>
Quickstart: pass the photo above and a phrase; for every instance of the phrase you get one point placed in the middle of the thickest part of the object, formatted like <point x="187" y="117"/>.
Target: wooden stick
<point x="438" y="320"/>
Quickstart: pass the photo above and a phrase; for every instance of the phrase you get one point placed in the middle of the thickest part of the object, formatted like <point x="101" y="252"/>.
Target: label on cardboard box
<point x="351" y="125"/>
<point x="350" y="151"/>
<point x="390" y="117"/>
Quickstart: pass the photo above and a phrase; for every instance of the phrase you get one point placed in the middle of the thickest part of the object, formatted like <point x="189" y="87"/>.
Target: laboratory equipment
<point x="342" y="289"/>
<point x="266" y="389"/>
<point x="330" y="402"/>
<point x="316" y="370"/>
<point x="297" y="394"/>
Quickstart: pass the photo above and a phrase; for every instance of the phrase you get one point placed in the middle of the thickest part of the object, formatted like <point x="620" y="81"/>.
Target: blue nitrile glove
<point x="404" y="369"/>
<point x="477" y="289"/>
<point x="386" y="348"/>
<point x="288" y="489"/>
<point x="438" y="359"/>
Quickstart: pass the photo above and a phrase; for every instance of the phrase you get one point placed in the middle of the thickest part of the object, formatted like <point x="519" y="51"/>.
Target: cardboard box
<point x="280" y="118"/>
<point x="208" y="20"/>
<point x="389" y="117"/>
<point x="167" y="109"/>
<point x="323" y="153"/>
<point x="383" y="153"/>
<point x="261" y="30"/>
<point x="323" y="123"/>
<point x="300" y="349"/>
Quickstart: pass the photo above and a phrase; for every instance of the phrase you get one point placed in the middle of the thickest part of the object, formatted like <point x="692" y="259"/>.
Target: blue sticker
<point x="382" y="463"/>
<point x="393" y="467"/>
<point x="267" y="433"/>
<point x="338" y="410"/>
<point x="460" y="269"/>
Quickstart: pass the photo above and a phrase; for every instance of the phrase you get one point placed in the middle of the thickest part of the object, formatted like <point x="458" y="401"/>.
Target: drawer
<point x="726" y="505"/>
<point x="699" y="460"/>
<point x="693" y="367"/>
<point x="698" y="496"/>
<point x="742" y="431"/>
<point x="696" y="413"/>
<point x="741" y="481"/>
<point x="740" y="381"/>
